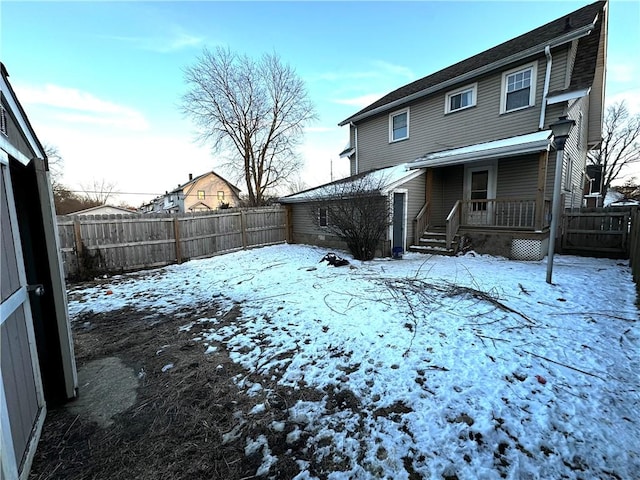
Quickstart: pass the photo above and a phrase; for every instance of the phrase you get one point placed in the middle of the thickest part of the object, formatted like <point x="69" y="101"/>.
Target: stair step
<point x="431" y="250"/>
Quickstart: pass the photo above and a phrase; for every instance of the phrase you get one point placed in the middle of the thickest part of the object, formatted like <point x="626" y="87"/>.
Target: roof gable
<point x="559" y="31"/>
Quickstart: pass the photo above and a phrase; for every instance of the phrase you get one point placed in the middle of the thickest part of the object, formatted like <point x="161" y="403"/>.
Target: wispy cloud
<point x="75" y="106"/>
<point x="359" y="102"/>
<point x="395" y="70"/>
<point x="174" y="40"/>
<point x="621" y="72"/>
<point x="379" y="69"/>
<point x="631" y="98"/>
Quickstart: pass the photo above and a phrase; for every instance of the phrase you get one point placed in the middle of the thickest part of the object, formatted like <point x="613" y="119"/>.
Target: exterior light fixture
<point x="560" y="130"/>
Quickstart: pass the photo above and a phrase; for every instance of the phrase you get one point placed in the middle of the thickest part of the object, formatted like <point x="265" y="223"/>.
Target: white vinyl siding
<point x="461" y="99"/>
<point x="399" y="125"/>
<point x="518" y="88"/>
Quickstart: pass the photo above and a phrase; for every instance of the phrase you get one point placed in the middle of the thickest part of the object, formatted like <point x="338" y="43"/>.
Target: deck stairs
<point x="434" y="242"/>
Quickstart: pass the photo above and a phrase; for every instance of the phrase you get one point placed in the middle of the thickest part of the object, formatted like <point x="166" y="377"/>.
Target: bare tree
<point x="55" y="163"/>
<point x="620" y="143"/>
<point x="98" y="191"/>
<point x="255" y="109"/>
<point x="356" y="210"/>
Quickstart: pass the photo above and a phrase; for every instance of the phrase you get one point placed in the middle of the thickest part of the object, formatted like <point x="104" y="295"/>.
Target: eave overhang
<point x="508" y="147"/>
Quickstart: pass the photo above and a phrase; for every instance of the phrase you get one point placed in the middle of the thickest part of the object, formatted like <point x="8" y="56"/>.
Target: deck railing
<point x="420" y="223"/>
<point x="453" y="223"/>
<point x="500" y="213"/>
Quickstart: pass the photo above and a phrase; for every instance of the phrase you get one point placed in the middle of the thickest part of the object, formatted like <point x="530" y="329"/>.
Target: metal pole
<point x="555" y="209"/>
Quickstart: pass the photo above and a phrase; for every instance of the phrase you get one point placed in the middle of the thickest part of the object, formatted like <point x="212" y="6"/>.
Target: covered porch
<point x="499" y="188"/>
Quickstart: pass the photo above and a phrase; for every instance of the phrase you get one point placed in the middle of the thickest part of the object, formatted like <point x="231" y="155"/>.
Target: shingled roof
<point x="564" y="29"/>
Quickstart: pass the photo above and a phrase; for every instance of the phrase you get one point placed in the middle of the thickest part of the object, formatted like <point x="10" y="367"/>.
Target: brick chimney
<point x="190" y="176"/>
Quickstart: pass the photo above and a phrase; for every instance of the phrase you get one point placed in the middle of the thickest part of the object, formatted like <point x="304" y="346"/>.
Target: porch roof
<point x="381" y="181"/>
<point x="507" y="147"/>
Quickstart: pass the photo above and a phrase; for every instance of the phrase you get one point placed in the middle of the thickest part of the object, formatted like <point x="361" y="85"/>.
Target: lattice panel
<point x="526" y="249"/>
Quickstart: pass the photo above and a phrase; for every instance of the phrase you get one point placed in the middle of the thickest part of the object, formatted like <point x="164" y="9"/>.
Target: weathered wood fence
<point x="97" y="244"/>
<point x="597" y="232"/>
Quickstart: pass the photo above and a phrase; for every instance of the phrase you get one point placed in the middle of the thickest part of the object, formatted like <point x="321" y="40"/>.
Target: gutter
<point x="545" y="92"/>
<point x="578" y="33"/>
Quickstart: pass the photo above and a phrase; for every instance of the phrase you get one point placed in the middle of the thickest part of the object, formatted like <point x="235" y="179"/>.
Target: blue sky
<point x="102" y="80"/>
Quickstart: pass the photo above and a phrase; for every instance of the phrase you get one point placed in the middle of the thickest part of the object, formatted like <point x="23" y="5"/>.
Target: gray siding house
<point x="478" y="134"/>
<point x="36" y="350"/>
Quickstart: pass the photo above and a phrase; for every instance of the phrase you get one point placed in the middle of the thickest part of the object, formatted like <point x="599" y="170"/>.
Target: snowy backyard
<point x="426" y="367"/>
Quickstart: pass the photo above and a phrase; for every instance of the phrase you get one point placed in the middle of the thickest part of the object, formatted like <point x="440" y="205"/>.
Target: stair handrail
<point x="420" y="223"/>
<point x="453" y="223"/>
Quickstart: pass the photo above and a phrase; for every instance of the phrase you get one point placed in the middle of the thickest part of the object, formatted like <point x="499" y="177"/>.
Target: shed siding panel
<point x="19" y="382"/>
<point x="430" y="129"/>
<point x="10" y="279"/>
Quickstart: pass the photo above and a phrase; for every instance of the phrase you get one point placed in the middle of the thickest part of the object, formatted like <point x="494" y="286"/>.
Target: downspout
<point x="545" y="91"/>
<point x="355" y="140"/>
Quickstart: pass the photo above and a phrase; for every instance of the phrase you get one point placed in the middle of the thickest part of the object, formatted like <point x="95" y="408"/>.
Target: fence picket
<point x="118" y="243"/>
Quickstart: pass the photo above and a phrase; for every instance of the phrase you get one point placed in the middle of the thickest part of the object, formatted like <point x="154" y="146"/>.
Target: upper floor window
<point x="518" y="88"/>
<point x="399" y="125"/>
<point x="3" y="120"/>
<point x="220" y="196"/>
<point x="461" y="99"/>
<point x="201" y="195"/>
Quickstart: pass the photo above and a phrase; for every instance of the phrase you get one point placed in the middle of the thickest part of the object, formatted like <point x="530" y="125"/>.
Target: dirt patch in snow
<point x="190" y="419"/>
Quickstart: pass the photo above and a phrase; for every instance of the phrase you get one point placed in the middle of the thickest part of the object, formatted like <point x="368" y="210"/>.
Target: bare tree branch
<point x="255" y="109"/>
<point x="620" y="143"/>
<point x="356" y="211"/>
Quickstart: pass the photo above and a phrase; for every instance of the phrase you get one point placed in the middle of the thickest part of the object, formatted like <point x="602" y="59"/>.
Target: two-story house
<point x="205" y="192"/>
<point x="475" y="145"/>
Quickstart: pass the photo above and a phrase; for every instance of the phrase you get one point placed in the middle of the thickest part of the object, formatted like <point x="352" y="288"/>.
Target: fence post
<point x="176" y="234"/>
<point x="243" y="229"/>
<point x="77" y="234"/>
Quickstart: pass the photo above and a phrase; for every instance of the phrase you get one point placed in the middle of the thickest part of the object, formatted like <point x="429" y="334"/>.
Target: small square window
<point x="3" y="120"/>
<point x="220" y="196"/>
<point x="399" y="126"/>
<point x="201" y="195"/>
<point x="518" y="89"/>
<point x="323" y="216"/>
<point x="461" y="99"/>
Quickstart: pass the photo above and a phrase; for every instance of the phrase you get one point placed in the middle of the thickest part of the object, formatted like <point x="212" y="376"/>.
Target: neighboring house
<point x="36" y="350"/>
<point x="103" y="210"/>
<point x="205" y="192"/>
<point x="477" y="136"/>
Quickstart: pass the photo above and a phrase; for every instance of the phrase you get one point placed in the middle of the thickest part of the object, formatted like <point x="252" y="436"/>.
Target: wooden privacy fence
<point x="97" y="244"/>
<point x="599" y="232"/>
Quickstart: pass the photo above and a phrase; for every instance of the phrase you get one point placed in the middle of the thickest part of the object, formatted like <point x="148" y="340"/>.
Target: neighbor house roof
<point x="512" y="146"/>
<point x="104" y="209"/>
<point x="575" y="25"/>
<point x="381" y="181"/>
<point x="185" y="186"/>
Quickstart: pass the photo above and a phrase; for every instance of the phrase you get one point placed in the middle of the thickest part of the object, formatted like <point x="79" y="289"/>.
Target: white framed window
<point x="323" y="217"/>
<point x="399" y="125"/>
<point x="518" y="88"/>
<point x="201" y="195"/>
<point x="462" y="98"/>
<point x="3" y="121"/>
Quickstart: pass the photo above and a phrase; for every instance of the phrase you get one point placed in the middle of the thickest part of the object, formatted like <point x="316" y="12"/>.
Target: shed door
<point x="22" y="406"/>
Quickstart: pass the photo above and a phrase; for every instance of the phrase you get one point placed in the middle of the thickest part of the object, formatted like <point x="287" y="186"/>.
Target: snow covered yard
<point x="427" y="367"/>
